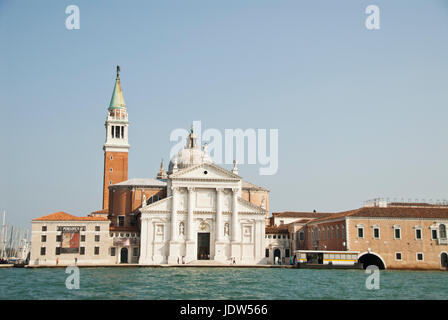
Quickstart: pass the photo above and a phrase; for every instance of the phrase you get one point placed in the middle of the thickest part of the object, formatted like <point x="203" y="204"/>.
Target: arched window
<point x="442" y="231"/>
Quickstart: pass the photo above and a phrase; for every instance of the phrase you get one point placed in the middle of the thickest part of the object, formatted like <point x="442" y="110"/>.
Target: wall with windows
<point x="403" y="243"/>
<point x="324" y="236"/>
<point x="126" y="200"/>
<point x="280" y="242"/>
<point x="94" y="243"/>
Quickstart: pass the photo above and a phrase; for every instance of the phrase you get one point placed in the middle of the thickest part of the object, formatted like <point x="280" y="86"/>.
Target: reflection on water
<point x="219" y="283"/>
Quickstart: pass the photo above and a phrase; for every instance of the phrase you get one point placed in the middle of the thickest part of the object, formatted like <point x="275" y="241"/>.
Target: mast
<point x="3" y="236"/>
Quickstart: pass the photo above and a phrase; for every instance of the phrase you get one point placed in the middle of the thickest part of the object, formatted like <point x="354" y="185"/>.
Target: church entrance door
<point x="203" y="245"/>
<point x="124" y="255"/>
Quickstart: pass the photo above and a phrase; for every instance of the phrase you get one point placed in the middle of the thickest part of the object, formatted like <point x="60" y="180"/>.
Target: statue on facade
<point x="226" y="229"/>
<point x="181" y="229"/>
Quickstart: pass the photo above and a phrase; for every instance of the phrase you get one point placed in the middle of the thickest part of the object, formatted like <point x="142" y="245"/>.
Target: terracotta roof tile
<point x="63" y="216"/>
<point x="391" y="212"/>
<point x="100" y="211"/>
<point x="292" y="214"/>
<point x="277" y="229"/>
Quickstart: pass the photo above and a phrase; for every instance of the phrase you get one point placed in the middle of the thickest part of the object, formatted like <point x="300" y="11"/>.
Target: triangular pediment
<point x="245" y="206"/>
<point x="161" y="205"/>
<point x="205" y="171"/>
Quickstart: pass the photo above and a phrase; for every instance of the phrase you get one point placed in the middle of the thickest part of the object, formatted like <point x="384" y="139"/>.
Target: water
<point x="220" y="283"/>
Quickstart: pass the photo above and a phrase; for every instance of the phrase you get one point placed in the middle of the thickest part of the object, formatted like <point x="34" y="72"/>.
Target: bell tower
<point x="116" y="147"/>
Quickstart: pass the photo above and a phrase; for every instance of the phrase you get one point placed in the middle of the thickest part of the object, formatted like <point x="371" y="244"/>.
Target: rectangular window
<point x="97" y="250"/>
<point x="360" y="232"/>
<point x="302" y="236"/>
<point x="117" y="131"/>
<point x="419" y="256"/>
<point x="113" y="131"/>
<point x="58" y="238"/>
<point x="398" y="256"/>
<point x="82" y="250"/>
<point x="267" y="253"/>
<point x="434" y="234"/>
<point x="97" y="228"/>
<point x="43" y="238"/>
<point x="97" y="238"/>
<point x="135" y="253"/>
<point x="58" y="251"/>
<point x="112" y="252"/>
<point x="376" y="233"/>
<point x="418" y="234"/>
<point x="397" y="233"/>
<point x="83" y="238"/>
<point x="42" y="251"/>
<point x="121" y="221"/>
<point x="287" y="253"/>
<point x="44" y="228"/>
<point x="122" y="132"/>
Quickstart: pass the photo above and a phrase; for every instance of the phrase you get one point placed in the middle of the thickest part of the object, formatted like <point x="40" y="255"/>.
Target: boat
<point x="322" y="259"/>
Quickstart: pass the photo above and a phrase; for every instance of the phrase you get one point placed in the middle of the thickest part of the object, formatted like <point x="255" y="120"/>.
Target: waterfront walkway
<point x="193" y="264"/>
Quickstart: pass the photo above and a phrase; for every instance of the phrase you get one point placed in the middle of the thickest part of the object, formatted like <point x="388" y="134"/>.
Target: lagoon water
<point x="220" y="283"/>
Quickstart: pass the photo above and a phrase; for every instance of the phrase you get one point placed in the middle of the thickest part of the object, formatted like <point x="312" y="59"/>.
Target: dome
<point x="191" y="155"/>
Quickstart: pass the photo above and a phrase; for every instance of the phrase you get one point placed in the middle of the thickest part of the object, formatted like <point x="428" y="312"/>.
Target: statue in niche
<point x="263" y="205"/>
<point x="181" y="229"/>
<point x="226" y="229"/>
<point x="144" y="200"/>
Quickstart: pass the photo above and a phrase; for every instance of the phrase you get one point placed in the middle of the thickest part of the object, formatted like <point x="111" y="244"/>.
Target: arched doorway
<point x="124" y="255"/>
<point x="444" y="260"/>
<point x="369" y="259"/>
<point x="278" y="254"/>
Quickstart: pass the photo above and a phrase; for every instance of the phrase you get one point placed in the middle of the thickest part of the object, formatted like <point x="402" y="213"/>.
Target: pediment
<point x="245" y="206"/>
<point x="205" y="171"/>
<point x="161" y="205"/>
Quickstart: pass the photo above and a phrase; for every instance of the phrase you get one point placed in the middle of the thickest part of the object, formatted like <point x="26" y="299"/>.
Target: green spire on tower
<point x="117" y="100"/>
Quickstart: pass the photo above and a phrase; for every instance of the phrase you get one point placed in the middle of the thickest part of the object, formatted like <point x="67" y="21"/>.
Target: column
<point x="174" y="245"/>
<point x="190" y="221"/>
<point x="235" y="245"/>
<point x="219" y="226"/>
<point x="143" y="240"/>
<point x="174" y="214"/>
<point x="190" y="244"/>
<point x="235" y="235"/>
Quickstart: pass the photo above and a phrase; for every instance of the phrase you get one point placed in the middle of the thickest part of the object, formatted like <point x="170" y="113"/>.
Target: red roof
<point x="101" y="211"/>
<point x="391" y="212"/>
<point x="292" y="214"/>
<point x="277" y="229"/>
<point x="63" y="216"/>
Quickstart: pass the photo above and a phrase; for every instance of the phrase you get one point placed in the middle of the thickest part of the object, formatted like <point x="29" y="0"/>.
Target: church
<point x="193" y="210"/>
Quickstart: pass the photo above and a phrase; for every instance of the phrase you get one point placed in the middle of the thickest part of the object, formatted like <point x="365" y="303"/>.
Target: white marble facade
<point x="203" y="202"/>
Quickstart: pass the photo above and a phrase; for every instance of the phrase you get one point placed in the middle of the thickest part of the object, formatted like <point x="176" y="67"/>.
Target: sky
<point x="360" y="113"/>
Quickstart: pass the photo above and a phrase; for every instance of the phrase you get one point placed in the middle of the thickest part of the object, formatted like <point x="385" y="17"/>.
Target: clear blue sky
<point x="360" y="113"/>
